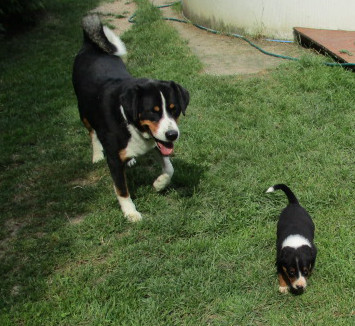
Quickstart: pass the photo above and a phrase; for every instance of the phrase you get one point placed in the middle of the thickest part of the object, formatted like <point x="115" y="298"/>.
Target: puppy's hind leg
<point x="167" y="172"/>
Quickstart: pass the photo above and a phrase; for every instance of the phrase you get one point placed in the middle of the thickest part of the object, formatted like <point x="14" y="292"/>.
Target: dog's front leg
<point x="167" y="172"/>
<point x="118" y="174"/>
<point x="283" y="287"/>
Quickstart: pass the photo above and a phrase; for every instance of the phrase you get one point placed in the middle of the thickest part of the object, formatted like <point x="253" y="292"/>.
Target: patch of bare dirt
<point x="220" y="54"/>
<point x="226" y="55"/>
<point x="116" y="14"/>
<point x="11" y="228"/>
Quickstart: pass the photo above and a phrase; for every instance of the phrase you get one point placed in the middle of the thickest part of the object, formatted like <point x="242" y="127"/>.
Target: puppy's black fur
<point x="296" y="252"/>
<point x="125" y="116"/>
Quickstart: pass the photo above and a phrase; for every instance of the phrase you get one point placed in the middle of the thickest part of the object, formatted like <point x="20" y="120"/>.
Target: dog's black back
<point x="100" y="70"/>
<point x="294" y="219"/>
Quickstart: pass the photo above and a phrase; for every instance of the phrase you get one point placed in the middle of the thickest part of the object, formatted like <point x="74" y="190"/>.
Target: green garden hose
<point x="331" y="64"/>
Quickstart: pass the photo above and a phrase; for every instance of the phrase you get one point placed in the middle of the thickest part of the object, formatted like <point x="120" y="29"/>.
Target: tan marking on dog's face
<point x="156" y="108"/>
<point x="153" y="126"/>
<point x="293" y="277"/>
<point x="172" y="108"/>
<point x="296" y="280"/>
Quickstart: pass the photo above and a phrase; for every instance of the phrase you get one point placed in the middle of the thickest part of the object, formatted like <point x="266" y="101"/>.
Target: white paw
<point x="134" y="216"/>
<point x="97" y="156"/>
<point x="131" y="162"/>
<point x="283" y="289"/>
<point x="128" y="208"/>
<point x="161" y="182"/>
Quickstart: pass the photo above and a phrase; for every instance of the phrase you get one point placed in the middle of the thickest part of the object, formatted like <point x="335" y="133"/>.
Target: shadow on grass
<point x="36" y="157"/>
<point x="187" y="177"/>
<point x="185" y="180"/>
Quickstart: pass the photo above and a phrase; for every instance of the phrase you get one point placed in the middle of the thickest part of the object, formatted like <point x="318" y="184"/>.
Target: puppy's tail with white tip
<point x="102" y="36"/>
<point x="290" y="195"/>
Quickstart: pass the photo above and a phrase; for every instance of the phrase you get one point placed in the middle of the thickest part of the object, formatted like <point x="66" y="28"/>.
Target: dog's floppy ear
<point x="309" y="254"/>
<point x="129" y="101"/>
<point x="182" y="95"/>
<point x="284" y="254"/>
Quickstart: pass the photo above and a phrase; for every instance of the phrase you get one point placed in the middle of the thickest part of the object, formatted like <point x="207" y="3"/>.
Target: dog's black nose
<point x="299" y="287"/>
<point x="171" y="135"/>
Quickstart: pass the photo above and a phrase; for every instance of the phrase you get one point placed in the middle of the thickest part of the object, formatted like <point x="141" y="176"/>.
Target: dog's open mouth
<point x="165" y="148"/>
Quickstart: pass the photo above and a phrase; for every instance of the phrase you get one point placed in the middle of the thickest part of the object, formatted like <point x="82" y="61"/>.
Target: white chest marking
<point x="139" y="143"/>
<point x="295" y="241"/>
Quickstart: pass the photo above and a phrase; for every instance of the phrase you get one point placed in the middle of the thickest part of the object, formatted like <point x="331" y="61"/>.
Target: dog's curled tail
<point x="290" y="195"/>
<point x="102" y="36"/>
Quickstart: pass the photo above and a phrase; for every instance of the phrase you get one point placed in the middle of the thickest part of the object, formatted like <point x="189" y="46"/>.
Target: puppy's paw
<point x="283" y="289"/>
<point x="131" y="162"/>
<point x="134" y="216"/>
<point x="161" y="182"/>
<point x="97" y="156"/>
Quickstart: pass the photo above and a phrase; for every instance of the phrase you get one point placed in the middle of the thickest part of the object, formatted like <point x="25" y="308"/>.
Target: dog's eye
<point x="174" y="110"/>
<point x="291" y="273"/>
<point x="156" y="109"/>
<point x="305" y="272"/>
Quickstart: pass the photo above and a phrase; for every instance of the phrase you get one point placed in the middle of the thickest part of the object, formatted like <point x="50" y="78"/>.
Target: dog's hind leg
<point x="167" y="172"/>
<point x="97" y="149"/>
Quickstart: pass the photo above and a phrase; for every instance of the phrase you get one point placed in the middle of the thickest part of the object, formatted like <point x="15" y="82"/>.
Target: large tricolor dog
<point x="296" y="252"/>
<point x="126" y="116"/>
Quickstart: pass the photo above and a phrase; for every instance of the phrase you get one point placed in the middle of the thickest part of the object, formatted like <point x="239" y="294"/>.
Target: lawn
<point x="204" y="253"/>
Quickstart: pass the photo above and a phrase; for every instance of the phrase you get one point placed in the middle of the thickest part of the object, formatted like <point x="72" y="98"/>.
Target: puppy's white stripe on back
<point x="295" y="241"/>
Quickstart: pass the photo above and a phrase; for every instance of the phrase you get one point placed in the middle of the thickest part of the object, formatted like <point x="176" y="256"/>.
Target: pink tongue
<point x="165" y="150"/>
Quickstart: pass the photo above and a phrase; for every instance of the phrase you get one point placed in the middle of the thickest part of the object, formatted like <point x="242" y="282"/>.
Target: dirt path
<point x="220" y="55"/>
<point x="117" y="13"/>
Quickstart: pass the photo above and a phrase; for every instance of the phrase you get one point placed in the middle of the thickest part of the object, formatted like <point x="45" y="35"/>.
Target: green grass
<point x="204" y="254"/>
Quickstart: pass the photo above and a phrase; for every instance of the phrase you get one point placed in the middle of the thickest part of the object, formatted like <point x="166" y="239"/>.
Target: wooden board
<point x="339" y="44"/>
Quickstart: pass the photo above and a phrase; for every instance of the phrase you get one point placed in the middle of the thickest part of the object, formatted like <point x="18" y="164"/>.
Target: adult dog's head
<point x="154" y="107"/>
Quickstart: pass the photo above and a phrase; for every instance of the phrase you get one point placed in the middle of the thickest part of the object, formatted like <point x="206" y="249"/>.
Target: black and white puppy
<point x="126" y="116"/>
<point x="296" y="252"/>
